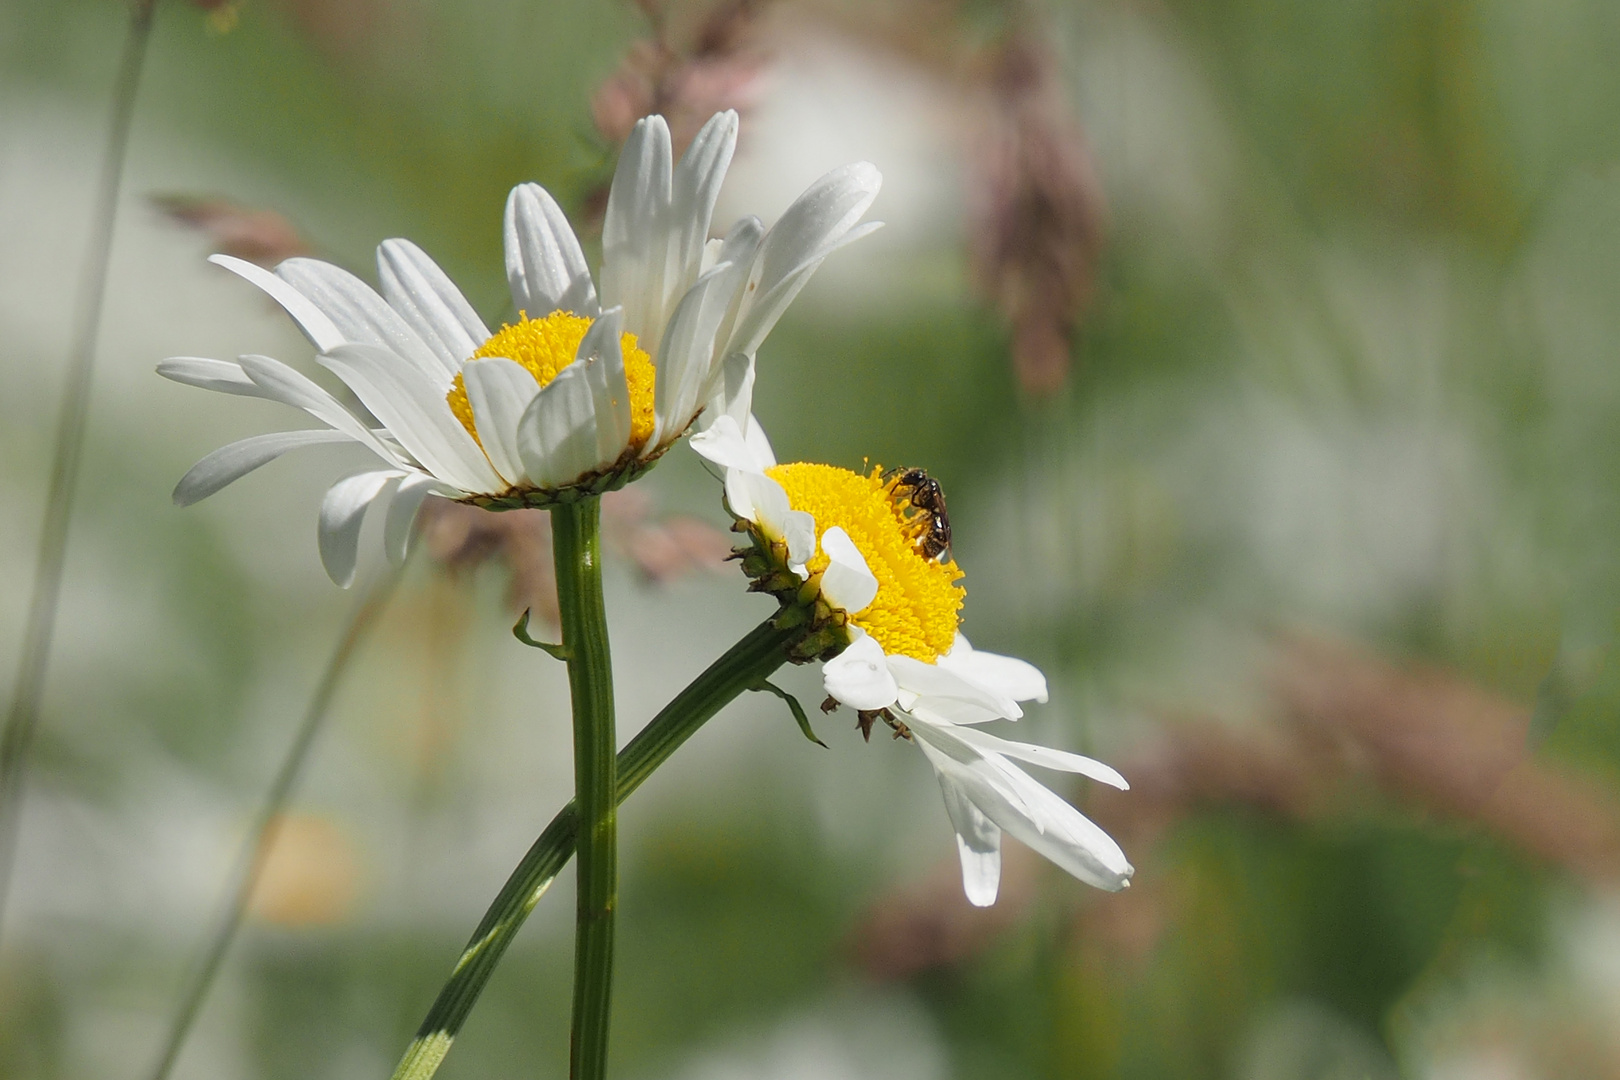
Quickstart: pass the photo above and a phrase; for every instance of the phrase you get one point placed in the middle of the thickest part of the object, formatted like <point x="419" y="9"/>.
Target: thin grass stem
<point x="22" y="717"/>
<point x="267" y="823"/>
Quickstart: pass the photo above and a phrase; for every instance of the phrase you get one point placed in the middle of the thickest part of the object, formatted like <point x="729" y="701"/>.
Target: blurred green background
<point x="1312" y="532"/>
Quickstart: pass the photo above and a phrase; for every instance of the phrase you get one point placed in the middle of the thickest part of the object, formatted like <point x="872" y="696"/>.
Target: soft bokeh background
<point x="1266" y="350"/>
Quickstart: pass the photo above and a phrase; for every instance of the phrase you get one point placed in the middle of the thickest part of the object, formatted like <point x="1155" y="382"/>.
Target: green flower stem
<point x="577" y="554"/>
<point x="756" y="657"/>
<point x="22" y="718"/>
<point x="266" y="825"/>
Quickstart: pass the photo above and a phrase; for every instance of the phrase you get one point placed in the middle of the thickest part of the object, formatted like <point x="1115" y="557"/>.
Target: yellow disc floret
<point x="918" y="603"/>
<point x="546" y="346"/>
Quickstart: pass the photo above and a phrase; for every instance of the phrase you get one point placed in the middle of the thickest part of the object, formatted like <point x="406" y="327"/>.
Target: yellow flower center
<point x="546" y="346"/>
<point x="918" y="603"/>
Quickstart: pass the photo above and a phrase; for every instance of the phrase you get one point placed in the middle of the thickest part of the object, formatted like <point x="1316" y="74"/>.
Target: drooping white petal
<point x="978" y="840"/>
<point x="817" y="223"/>
<point x="858" y="677"/>
<point x="1006" y="675"/>
<point x="315" y="324"/>
<point x="686" y="354"/>
<point x="557" y="435"/>
<point x="601" y="354"/>
<point x="693" y="190"/>
<point x="635" y="231"/>
<point x="413" y="409"/>
<point x="402" y="513"/>
<point x="429" y="302"/>
<point x="231" y="462"/>
<point x="276" y="381"/>
<point x="499" y="391"/>
<point x="220" y="375"/>
<point x="1044" y="756"/>
<point x="847" y="583"/>
<point x="935" y="687"/>
<point x="545" y="266"/>
<point x="1025" y="808"/>
<point x="1067" y="837"/>
<point x="343" y="512"/>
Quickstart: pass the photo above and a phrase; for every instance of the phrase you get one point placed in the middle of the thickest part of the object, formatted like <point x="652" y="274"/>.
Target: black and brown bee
<point x="916" y="490"/>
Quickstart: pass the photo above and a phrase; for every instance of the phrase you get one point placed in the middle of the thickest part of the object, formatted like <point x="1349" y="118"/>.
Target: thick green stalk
<point x="22" y="718"/>
<point x="744" y="666"/>
<point x="577" y="554"/>
<point x="266" y="825"/>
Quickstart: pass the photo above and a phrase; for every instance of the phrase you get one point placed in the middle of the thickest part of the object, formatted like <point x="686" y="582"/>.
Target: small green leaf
<point x="521" y="632"/>
<point x="793" y="706"/>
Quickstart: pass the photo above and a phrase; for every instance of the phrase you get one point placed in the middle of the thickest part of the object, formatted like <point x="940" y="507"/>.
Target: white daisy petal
<point x="767" y="500"/>
<point x="276" y="381"/>
<point x="343" y="511"/>
<point x="601" y="354"/>
<point x="739" y="497"/>
<point x="686" y="354"/>
<point x="759" y="443"/>
<point x="741" y="243"/>
<point x="978" y="839"/>
<point x="724" y="444"/>
<point x="1025" y="808"/>
<point x="402" y="513"/>
<point x="499" y="390"/>
<point x="413" y="409"/>
<point x="1044" y="756"/>
<point x="693" y="190"/>
<point x="221" y="375"/>
<point x="544" y="263"/>
<point x="557" y="435"/>
<point x="429" y="302"/>
<point x="730" y="391"/>
<point x="1066" y="836"/>
<point x="635" y="231"/>
<point x="817" y="223"/>
<point x="988" y="770"/>
<point x="1006" y="675"/>
<point x="858" y="677"/>
<point x="799" y="534"/>
<point x="847" y="583"/>
<point x="315" y="324"/>
<point x="230" y="463"/>
<point x="936" y="686"/>
<point x="363" y="317"/>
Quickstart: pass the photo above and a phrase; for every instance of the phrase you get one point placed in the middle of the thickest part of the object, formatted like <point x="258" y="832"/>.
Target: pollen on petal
<point x="918" y="604"/>
<point x="546" y="346"/>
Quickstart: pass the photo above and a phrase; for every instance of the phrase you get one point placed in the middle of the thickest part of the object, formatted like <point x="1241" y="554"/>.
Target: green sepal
<point x="521" y="632"/>
<point x="793" y="706"/>
<point x="823" y="644"/>
<point x="791" y="616"/>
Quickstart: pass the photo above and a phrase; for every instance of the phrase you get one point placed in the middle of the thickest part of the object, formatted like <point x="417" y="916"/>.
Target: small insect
<point x="924" y="493"/>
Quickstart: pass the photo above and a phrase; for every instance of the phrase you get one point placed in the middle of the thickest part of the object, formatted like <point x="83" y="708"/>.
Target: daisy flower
<point x="591" y="385"/>
<point x="865" y="560"/>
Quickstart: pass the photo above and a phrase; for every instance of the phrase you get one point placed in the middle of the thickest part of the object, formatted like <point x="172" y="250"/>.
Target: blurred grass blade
<point x="741" y="668"/>
<point x="266" y="825"/>
<point x="23" y="716"/>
